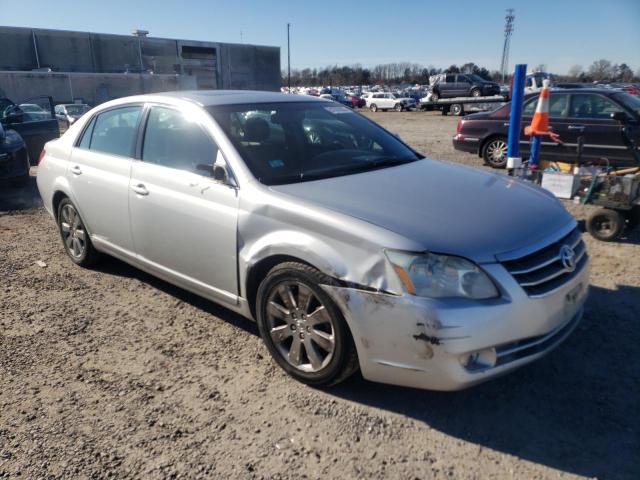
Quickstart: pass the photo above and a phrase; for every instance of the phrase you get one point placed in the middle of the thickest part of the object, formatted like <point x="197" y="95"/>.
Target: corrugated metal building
<point x="96" y="67"/>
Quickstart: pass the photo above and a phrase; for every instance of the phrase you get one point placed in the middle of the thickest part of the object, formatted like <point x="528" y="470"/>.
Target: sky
<point x="558" y="33"/>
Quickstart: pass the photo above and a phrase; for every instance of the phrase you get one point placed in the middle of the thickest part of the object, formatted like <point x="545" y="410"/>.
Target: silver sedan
<point x="349" y="249"/>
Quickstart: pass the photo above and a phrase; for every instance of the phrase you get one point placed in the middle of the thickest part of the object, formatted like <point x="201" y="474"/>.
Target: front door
<point x="590" y="116"/>
<point x="100" y="166"/>
<point x="183" y="222"/>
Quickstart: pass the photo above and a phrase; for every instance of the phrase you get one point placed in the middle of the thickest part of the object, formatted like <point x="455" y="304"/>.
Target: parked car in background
<point x="573" y="113"/>
<point x="37" y="125"/>
<point x="452" y="85"/>
<point x="533" y="81"/>
<point x="322" y="226"/>
<point x="14" y="160"/>
<point x="407" y="103"/>
<point x="71" y="111"/>
<point x="383" y="101"/>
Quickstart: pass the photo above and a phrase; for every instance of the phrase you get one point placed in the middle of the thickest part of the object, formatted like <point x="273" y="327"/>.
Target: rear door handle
<point x="576" y="127"/>
<point x="140" y="189"/>
<point x="76" y="170"/>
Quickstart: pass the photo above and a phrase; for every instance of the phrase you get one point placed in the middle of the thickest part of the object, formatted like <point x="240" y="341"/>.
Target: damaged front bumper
<point x="451" y="344"/>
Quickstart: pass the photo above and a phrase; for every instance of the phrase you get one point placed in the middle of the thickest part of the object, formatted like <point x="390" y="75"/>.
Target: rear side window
<point x="557" y="105"/>
<point x="171" y="140"/>
<point x="86" y="136"/>
<point x="450" y="79"/>
<point x="114" y="131"/>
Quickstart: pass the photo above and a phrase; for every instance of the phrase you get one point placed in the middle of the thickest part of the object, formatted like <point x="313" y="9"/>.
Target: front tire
<point x="75" y="237"/>
<point x="476" y="92"/>
<point x="435" y="96"/>
<point x="398" y="107"/>
<point x="302" y="327"/>
<point x="495" y="152"/>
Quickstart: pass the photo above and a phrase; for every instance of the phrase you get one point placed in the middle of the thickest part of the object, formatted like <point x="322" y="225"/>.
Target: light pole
<point x="288" y="58"/>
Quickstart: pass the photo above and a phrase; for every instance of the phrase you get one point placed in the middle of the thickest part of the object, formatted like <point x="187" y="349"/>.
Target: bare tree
<point x="601" y="70"/>
<point x="574" y="72"/>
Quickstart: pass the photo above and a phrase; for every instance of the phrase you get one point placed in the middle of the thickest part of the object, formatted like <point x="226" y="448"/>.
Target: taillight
<point x="41" y="157"/>
<point x="459" y="127"/>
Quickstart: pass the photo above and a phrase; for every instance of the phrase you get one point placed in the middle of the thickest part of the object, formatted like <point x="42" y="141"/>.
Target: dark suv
<point x="453" y="85"/>
<point x="573" y="113"/>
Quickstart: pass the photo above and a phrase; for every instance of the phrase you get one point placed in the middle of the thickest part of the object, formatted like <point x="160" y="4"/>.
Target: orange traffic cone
<point x="540" y="122"/>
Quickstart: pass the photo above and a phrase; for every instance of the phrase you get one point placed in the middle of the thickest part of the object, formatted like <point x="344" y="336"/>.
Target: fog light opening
<point x="480" y="360"/>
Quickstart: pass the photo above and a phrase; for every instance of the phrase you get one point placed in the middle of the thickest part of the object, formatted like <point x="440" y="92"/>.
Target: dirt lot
<point x="112" y="373"/>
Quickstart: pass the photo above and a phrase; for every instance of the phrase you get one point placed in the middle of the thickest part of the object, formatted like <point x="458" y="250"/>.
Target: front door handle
<point x="76" y="170"/>
<point x="576" y="127"/>
<point x="140" y="189"/>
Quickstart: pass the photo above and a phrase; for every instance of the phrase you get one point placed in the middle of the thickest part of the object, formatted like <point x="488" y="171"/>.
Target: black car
<point x="14" y="161"/>
<point x="573" y="113"/>
<point x="462" y="85"/>
<point x="33" y="119"/>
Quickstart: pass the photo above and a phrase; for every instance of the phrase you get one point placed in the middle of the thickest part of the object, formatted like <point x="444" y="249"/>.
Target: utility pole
<point x="508" y="30"/>
<point x="288" y="58"/>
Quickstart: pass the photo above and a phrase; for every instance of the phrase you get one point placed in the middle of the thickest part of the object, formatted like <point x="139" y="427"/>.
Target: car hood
<point x="445" y="208"/>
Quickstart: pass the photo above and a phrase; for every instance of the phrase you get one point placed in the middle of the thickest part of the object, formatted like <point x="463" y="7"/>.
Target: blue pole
<point x="515" y="121"/>
<point x="535" y="147"/>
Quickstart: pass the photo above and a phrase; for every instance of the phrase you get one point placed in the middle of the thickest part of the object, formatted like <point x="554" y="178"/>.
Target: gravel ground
<point x="112" y="373"/>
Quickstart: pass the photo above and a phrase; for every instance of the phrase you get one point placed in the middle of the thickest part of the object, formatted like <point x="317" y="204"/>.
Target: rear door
<point x="99" y="176"/>
<point x="559" y="123"/>
<point x="39" y="124"/>
<point x="590" y="116"/>
<point x="184" y="223"/>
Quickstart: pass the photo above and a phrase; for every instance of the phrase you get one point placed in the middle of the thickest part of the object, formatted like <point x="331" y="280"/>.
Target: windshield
<point x="630" y="101"/>
<point x="76" y="109"/>
<point x="293" y="142"/>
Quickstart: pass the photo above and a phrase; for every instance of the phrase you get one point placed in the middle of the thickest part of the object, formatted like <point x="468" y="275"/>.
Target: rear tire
<point x="456" y="109"/>
<point x="75" y="237"/>
<point x="373" y="107"/>
<point x="494" y="152"/>
<point x="302" y="327"/>
<point x="605" y="224"/>
<point x="435" y="97"/>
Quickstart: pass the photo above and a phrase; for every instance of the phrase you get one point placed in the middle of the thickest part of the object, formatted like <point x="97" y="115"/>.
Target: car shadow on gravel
<point x="19" y="197"/>
<point x="574" y="410"/>
<point x="113" y="266"/>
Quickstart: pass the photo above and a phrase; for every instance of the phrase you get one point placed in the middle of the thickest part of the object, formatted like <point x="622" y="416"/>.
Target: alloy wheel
<point x="300" y="326"/>
<point x="497" y="151"/>
<point x="73" y="232"/>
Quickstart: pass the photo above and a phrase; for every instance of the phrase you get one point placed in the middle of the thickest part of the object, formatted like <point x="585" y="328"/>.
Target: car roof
<point x="208" y="98"/>
<point x="607" y="92"/>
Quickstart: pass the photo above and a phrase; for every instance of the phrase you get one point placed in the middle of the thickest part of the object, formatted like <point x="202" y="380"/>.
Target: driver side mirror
<point x="620" y="117"/>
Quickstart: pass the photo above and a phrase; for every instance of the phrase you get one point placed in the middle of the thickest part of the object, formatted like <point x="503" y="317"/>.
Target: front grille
<point x="542" y="272"/>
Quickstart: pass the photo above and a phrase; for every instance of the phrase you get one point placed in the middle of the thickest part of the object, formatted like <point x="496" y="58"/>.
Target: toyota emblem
<point x="568" y="258"/>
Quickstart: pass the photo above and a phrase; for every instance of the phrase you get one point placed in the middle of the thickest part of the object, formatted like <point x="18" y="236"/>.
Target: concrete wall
<point x="121" y="59"/>
<point x="93" y="88"/>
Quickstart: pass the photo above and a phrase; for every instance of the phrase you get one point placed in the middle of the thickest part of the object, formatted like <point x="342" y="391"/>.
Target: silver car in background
<point x="346" y="246"/>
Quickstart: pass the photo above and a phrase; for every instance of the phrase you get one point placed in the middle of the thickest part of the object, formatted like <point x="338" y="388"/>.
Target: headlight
<point x="12" y="138"/>
<point x="440" y="276"/>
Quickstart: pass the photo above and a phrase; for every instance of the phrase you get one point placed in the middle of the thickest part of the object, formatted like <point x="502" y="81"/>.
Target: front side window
<point x="172" y="140"/>
<point x="115" y="130"/>
<point x="294" y="142"/>
<point x="592" y="105"/>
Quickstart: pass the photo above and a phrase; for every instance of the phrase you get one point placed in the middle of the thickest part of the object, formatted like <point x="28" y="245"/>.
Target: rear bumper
<point x="427" y="343"/>
<point x="466" y="144"/>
